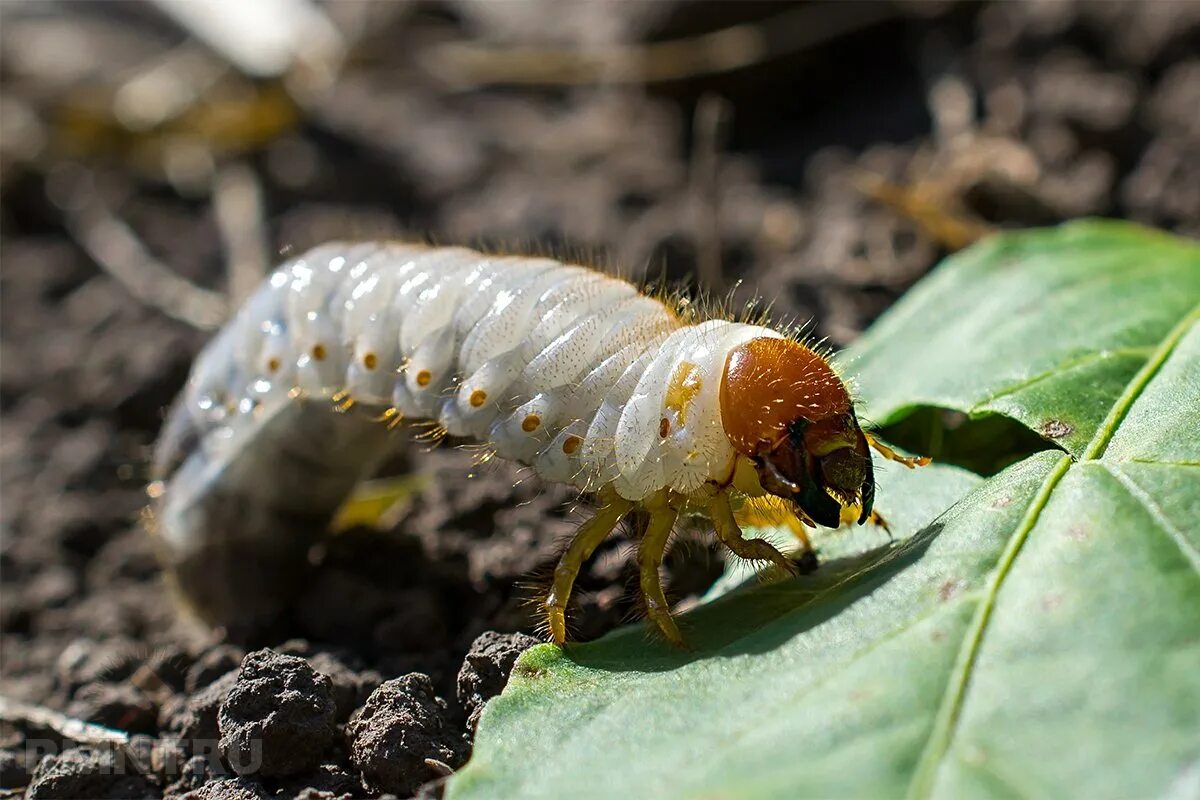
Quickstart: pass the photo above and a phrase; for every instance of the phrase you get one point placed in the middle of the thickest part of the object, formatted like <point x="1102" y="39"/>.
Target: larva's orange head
<point x="785" y="408"/>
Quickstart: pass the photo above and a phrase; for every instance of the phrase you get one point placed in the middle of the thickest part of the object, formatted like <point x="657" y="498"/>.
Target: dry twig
<point x="237" y="205"/>
<point x="87" y="733"/>
<point x="471" y="64"/>
<point x="119" y="252"/>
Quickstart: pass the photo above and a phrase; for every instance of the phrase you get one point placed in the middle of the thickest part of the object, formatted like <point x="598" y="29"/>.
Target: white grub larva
<point x="559" y="367"/>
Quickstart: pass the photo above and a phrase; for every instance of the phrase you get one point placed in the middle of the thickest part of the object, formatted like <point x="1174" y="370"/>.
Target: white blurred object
<point x="263" y="38"/>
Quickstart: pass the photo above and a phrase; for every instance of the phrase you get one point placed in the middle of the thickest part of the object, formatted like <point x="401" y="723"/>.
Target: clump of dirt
<point x="278" y="717"/>
<point x="485" y="670"/>
<point x="196" y="717"/>
<point x="14" y="773"/>
<point x="86" y="772"/>
<point x="826" y="177"/>
<point x="403" y="736"/>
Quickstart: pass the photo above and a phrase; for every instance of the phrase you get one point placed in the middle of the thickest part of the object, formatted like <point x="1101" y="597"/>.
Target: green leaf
<point x="1046" y="327"/>
<point x="1036" y="633"/>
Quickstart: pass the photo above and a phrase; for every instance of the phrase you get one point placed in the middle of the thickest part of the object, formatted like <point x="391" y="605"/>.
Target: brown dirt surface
<point x="826" y="174"/>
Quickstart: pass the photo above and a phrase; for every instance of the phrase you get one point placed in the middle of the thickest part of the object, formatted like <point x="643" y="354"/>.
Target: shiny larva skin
<point x="559" y="367"/>
<point x="583" y="353"/>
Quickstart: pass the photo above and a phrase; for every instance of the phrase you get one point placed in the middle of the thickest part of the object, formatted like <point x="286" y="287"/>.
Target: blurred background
<point x="156" y="158"/>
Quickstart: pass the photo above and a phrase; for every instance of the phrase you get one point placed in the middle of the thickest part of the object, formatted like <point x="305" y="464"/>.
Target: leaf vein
<point x="836" y="670"/>
<point x="1146" y="501"/>
<point x="940" y="737"/>
<point x="1139" y="382"/>
<point x="1058" y="369"/>
<point x="948" y="713"/>
<point x="1157" y="463"/>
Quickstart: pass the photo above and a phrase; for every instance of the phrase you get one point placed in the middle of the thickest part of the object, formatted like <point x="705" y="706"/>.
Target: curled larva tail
<point x="567" y="370"/>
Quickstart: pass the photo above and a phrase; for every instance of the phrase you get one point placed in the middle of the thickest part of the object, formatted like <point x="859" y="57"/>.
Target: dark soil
<point x="960" y="117"/>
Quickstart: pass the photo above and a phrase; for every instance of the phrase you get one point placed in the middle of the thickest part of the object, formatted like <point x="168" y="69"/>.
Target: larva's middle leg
<point x="650" y="556"/>
<point x="585" y="541"/>
<point x="731" y="536"/>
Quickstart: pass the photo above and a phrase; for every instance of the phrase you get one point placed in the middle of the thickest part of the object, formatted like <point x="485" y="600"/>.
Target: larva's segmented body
<point x="559" y="367"/>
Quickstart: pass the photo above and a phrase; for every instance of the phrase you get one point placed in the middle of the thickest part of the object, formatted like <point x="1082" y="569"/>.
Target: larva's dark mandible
<point x="559" y="367"/>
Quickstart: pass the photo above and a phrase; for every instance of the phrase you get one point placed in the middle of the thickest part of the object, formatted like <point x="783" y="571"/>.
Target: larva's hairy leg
<point x="911" y="462"/>
<point x="650" y="557"/>
<point x="731" y="536"/>
<point x="770" y="511"/>
<point x="584" y="543"/>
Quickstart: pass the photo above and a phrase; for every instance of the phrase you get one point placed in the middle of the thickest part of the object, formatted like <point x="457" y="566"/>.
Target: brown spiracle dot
<point x="370" y="361"/>
<point x="478" y="398"/>
<point x="318" y="352"/>
<point x="273" y="365"/>
<point x="531" y="423"/>
<point x="664" y="427"/>
<point x="571" y="444"/>
<point x="424" y="377"/>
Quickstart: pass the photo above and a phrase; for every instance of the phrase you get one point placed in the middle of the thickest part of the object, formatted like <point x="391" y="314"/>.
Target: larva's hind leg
<point x="731" y="536"/>
<point x="650" y="557"/>
<point x="585" y="541"/>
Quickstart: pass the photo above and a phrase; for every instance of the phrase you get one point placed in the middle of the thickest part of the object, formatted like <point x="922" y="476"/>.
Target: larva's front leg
<point x="875" y="518"/>
<point x="731" y="536"/>
<point x="585" y="541"/>
<point x="768" y="511"/>
<point x="912" y="462"/>
<point x="650" y="557"/>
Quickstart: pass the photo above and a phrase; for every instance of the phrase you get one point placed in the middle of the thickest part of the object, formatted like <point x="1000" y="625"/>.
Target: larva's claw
<point x="877" y="519"/>
<point x="662" y="619"/>
<point x="807" y="562"/>
<point x="912" y="462"/>
<point x="556" y="618"/>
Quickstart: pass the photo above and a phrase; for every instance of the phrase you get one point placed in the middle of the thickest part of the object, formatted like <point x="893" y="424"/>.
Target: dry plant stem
<point x="928" y="207"/>
<point x="77" y="730"/>
<point x="711" y="125"/>
<point x="467" y="64"/>
<point x="119" y="252"/>
<point x="237" y="205"/>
